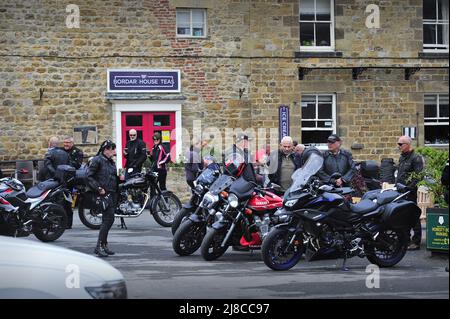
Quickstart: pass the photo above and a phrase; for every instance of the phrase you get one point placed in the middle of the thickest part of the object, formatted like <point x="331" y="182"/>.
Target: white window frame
<point x="436" y="47"/>
<point x="190" y="35"/>
<point x="438" y="95"/>
<point x="330" y="48"/>
<point x="321" y="146"/>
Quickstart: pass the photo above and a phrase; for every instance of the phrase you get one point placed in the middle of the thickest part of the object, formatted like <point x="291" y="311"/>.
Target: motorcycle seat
<point x="40" y="188"/>
<point x="363" y="206"/>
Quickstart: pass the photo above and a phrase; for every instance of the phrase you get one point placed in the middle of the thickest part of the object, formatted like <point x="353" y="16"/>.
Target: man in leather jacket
<point x="75" y="154"/>
<point x="337" y="160"/>
<point x="410" y="162"/>
<point x="135" y="152"/>
<point x="54" y="157"/>
<point x="102" y="179"/>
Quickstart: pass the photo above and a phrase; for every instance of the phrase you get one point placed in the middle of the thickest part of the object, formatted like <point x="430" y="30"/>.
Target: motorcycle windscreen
<point x="303" y="174"/>
<point x="207" y="177"/>
<point x="222" y="183"/>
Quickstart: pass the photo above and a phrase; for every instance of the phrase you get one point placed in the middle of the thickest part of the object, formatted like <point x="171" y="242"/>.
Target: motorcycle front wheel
<point x="276" y="252"/>
<point x="89" y="217"/>
<point x="53" y="225"/>
<point x="211" y="248"/>
<point x="165" y="215"/>
<point x="389" y="248"/>
<point x="188" y="237"/>
<point x="179" y="217"/>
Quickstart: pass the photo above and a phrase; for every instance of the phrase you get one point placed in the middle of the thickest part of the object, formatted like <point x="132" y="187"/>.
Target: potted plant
<point x="437" y="215"/>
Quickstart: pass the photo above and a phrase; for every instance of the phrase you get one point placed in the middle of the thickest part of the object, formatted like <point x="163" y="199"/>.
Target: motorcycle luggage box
<point x="403" y="214"/>
<point x="81" y="177"/>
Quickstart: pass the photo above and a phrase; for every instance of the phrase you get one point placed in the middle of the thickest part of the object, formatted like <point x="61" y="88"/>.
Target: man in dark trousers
<point x="102" y="179"/>
<point x="75" y="154"/>
<point x="54" y="157"/>
<point x="410" y="162"/>
<point x="135" y="152"/>
<point x="337" y="160"/>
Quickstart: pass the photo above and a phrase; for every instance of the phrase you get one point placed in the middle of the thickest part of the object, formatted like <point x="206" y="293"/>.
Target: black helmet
<point x="108" y="144"/>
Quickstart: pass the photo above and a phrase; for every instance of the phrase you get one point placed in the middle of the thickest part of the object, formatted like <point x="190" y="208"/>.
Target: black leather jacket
<point x="75" y="157"/>
<point x="408" y="163"/>
<point x="102" y="173"/>
<point x="341" y="163"/>
<point x="53" y="158"/>
<point x="136" y="155"/>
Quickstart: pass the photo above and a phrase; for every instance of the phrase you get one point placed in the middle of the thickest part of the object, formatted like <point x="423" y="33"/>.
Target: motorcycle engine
<point x="331" y="238"/>
<point x="131" y="202"/>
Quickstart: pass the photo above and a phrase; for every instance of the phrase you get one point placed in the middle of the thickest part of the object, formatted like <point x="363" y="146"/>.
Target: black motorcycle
<point x="202" y="184"/>
<point x="188" y="237"/>
<point x="375" y="228"/>
<point x="136" y="194"/>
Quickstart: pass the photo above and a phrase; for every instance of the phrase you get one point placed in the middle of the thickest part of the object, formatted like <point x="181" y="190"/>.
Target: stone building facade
<point x="248" y="62"/>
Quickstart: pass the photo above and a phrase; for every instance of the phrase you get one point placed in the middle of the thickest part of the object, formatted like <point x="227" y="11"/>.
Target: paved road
<point x="152" y="270"/>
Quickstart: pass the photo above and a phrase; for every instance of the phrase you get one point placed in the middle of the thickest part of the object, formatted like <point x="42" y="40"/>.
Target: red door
<point x="146" y="124"/>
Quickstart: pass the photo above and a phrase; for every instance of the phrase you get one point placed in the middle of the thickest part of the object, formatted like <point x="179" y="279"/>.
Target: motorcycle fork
<point x="230" y="231"/>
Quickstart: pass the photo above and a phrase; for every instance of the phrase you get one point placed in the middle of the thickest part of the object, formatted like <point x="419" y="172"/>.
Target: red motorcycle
<point x="244" y="222"/>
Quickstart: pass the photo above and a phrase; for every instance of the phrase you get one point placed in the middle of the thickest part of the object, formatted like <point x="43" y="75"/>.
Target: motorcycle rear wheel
<point x="392" y="254"/>
<point x="211" y="245"/>
<point x="273" y="250"/>
<point x="188" y="237"/>
<point x="53" y="226"/>
<point x="89" y="217"/>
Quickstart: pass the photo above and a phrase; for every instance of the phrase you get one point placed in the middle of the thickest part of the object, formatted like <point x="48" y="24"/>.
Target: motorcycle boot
<point x="107" y="250"/>
<point x="100" y="251"/>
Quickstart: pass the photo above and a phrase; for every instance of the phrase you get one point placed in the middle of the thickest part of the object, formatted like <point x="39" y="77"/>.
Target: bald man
<point x="135" y="152"/>
<point x="410" y="162"/>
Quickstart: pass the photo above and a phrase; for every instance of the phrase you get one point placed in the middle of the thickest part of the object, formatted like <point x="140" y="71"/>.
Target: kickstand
<point x="122" y="223"/>
<point x="344" y="268"/>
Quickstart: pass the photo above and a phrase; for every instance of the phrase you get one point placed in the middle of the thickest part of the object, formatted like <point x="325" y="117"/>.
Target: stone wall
<point x="250" y="49"/>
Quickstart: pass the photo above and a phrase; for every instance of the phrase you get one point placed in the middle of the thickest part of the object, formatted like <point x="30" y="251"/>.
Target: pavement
<point x="151" y="268"/>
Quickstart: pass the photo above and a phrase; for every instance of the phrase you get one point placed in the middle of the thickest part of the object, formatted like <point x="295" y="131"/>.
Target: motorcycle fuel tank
<point x="267" y="202"/>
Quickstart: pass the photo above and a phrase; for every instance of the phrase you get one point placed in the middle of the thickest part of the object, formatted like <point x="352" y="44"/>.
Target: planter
<point x="437" y="229"/>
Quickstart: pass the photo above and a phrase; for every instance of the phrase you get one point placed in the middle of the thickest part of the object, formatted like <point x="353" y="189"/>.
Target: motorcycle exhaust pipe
<point x="139" y="213"/>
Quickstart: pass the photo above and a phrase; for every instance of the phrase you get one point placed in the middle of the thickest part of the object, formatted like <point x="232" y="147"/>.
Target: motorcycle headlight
<point x="233" y="200"/>
<point x="109" y="290"/>
<point x="209" y="200"/>
<point x="291" y="202"/>
<point x="199" y="188"/>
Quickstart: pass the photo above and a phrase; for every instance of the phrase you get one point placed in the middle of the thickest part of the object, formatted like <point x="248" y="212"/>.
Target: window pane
<point x="197" y="32"/>
<point x="306" y="9"/>
<point x="183" y="31"/>
<point x="133" y="120"/>
<point x="443" y="106"/>
<point x="161" y="120"/>
<point x="308" y="123"/>
<point x="429" y="9"/>
<point x="436" y="134"/>
<point x="323" y="10"/>
<point x="429" y="33"/>
<point x="307" y="34"/>
<point x="197" y="18"/>
<point x="443" y="9"/>
<point x="325" y="111"/>
<point x="308" y="111"/>
<point x="442" y="36"/>
<point x="430" y="111"/>
<point x="323" y="34"/>
<point x="183" y="19"/>
<point x="326" y="124"/>
<point x="325" y="98"/>
<point x="315" y="137"/>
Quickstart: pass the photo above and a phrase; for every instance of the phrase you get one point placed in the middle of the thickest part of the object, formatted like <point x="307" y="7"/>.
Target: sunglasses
<point x="132" y="134"/>
<point x="401" y="144"/>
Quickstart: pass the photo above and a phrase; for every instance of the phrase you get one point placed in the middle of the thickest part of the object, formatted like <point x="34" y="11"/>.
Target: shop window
<point x="316" y="25"/>
<point x="436" y="119"/>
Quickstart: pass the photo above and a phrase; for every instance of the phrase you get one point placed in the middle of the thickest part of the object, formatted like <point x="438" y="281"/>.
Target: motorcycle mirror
<point x="130" y="170"/>
<point x="326" y="188"/>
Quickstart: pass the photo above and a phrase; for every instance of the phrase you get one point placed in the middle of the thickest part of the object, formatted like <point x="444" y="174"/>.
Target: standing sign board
<point x="284" y="121"/>
<point x="437" y="229"/>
